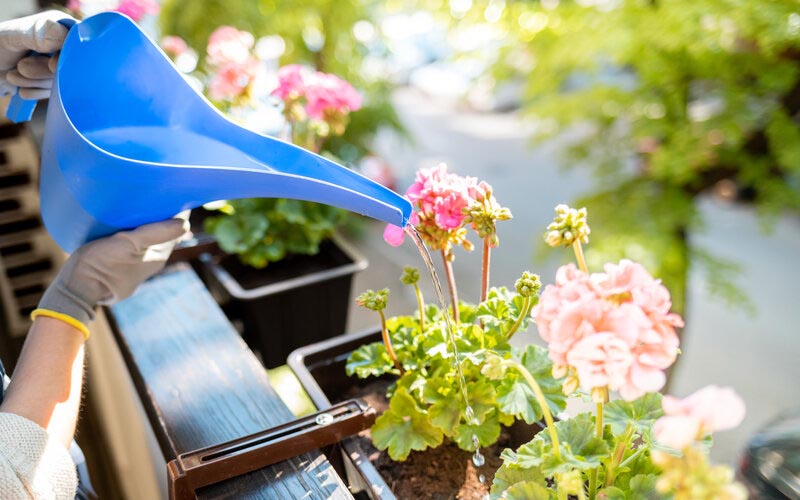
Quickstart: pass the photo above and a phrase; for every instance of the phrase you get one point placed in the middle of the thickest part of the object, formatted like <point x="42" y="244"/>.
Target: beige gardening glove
<point x="33" y="74"/>
<point x="108" y="270"/>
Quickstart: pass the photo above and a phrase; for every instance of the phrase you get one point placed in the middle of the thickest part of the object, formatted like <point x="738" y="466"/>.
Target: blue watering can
<point x="128" y="141"/>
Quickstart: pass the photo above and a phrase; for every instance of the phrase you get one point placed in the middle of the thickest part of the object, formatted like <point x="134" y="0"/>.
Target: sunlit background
<point x="674" y="122"/>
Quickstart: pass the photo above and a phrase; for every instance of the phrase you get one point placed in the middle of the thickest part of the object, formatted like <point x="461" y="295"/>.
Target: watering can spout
<point x="128" y="141"/>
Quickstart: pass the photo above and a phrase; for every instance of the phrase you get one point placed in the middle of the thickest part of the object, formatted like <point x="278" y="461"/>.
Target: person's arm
<point x="46" y="386"/>
<point x="40" y="408"/>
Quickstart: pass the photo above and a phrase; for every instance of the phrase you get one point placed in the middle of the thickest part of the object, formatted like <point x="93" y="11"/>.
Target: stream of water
<point x="477" y="458"/>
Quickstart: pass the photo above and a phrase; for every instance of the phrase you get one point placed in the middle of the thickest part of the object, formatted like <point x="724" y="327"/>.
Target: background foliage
<point x="665" y="101"/>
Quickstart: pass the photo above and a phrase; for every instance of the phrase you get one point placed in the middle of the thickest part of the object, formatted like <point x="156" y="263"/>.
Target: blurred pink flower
<point x="137" y="9"/>
<point x="174" y="45"/>
<point x="326" y="93"/>
<point x="231" y="80"/>
<point x="229" y="45"/>
<point x="448" y="210"/>
<point x="441" y="195"/>
<point x="74" y="5"/>
<point x="708" y="410"/>
<point x="625" y="302"/>
<point x="291" y="82"/>
<point x="601" y="360"/>
<point x="395" y="235"/>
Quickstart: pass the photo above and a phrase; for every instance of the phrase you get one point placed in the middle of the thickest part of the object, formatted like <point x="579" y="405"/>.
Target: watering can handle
<point x="19" y="109"/>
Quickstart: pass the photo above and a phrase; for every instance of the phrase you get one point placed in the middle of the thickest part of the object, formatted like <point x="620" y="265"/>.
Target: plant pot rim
<point x="359" y="263"/>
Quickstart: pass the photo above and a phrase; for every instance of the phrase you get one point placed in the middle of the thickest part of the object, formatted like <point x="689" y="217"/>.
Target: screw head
<point x="324" y="419"/>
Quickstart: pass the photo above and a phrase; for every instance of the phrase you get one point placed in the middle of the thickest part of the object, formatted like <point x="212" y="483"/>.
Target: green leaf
<point x="487" y="433"/>
<point x="516" y="397"/>
<point x="580" y="448"/>
<point x="640" y="413"/>
<point x="643" y="487"/>
<point x="447" y="403"/>
<point x="369" y="360"/>
<point x="404" y="427"/>
<point x="611" y="493"/>
<point x="509" y="474"/>
<point x="528" y="490"/>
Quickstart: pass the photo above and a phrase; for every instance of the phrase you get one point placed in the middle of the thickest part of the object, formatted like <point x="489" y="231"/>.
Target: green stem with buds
<point x="576" y="246"/>
<point x="421" y="306"/>
<point x="387" y="342"/>
<point x="487" y="252"/>
<point x="548" y="417"/>
<point x="451" y="284"/>
<point x="526" y="309"/>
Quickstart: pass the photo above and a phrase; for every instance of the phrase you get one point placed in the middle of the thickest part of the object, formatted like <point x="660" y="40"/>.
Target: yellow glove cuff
<point x="62" y="317"/>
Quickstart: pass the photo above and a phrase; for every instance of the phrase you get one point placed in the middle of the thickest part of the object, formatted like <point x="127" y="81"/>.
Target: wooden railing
<point x="200" y="385"/>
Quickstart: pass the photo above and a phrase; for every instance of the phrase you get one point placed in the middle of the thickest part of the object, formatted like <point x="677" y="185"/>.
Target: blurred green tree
<point x="665" y="101"/>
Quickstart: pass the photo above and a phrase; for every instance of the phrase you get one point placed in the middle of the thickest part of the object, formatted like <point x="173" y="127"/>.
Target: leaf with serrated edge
<point x="404" y="427"/>
<point x="640" y="413"/>
<point x="528" y="490"/>
<point x="369" y="360"/>
<point x="508" y="475"/>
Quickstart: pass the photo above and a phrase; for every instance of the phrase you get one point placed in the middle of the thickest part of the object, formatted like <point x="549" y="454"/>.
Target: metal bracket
<point x="217" y="463"/>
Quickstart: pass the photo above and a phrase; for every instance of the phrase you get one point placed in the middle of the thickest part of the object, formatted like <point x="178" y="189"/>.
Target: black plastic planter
<point x="295" y="302"/>
<point x="320" y="369"/>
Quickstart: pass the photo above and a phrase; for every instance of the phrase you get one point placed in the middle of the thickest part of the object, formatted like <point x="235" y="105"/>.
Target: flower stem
<point x="451" y="284"/>
<point x="487" y="252"/>
<point x="599" y="434"/>
<point x="548" y="417"/>
<point x="633" y="456"/>
<point x="576" y="246"/>
<point x="421" y="306"/>
<point x="388" y="343"/>
<point x="526" y="308"/>
<point x="616" y="458"/>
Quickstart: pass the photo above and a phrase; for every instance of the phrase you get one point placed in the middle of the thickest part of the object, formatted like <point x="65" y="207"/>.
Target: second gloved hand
<point x="108" y="270"/>
<point x="33" y="75"/>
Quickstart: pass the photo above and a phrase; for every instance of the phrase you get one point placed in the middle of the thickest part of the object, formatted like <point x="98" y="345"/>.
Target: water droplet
<point x="478" y="459"/>
<point x="482" y="479"/>
<point x="470" y="414"/>
<point x="475" y="442"/>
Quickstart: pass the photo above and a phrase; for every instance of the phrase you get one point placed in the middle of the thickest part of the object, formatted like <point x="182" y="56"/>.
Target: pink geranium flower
<point x="174" y="45"/>
<point x="708" y="410"/>
<point x="600" y="360"/>
<point x="227" y="45"/>
<point x="395" y="235"/>
<point x="137" y="9"/>
<point x="291" y="82"/>
<point x="231" y="80"/>
<point x="326" y="93"/>
<point x="624" y="302"/>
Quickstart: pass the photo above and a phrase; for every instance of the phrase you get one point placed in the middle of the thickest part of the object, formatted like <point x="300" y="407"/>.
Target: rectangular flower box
<point x="291" y="303"/>
<point x="320" y="369"/>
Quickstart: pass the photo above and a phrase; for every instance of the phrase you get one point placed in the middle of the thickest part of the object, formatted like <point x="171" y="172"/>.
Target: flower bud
<point x="528" y="285"/>
<point x="570" y="385"/>
<point x="560" y="371"/>
<point x="410" y="275"/>
<point x="568" y="227"/>
<point x="374" y="301"/>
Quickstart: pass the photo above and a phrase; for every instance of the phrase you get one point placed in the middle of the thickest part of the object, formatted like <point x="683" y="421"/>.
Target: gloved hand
<point x="32" y="74"/>
<point x="108" y="270"/>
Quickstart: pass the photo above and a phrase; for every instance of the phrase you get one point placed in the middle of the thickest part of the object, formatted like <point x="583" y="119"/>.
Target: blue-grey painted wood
<point x="201" y="386"/>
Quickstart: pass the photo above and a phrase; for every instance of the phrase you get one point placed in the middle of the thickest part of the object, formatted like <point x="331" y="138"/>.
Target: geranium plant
<point x="316" y="106"/>
<point x="608" y="333"/>
<point x="613" y="332"/>
<point x="428" y="403"/>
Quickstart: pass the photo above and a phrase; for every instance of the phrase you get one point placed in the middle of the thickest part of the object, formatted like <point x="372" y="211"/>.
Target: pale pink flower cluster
<point x="229" y="53"/>
<point x="614" y="328"/>
<point x="324" y="93"/>
<point x="440" y="198"/>
<point x="174" y="45"/>
<point x="135" y="9"/>
<point x="708" y="410"/>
